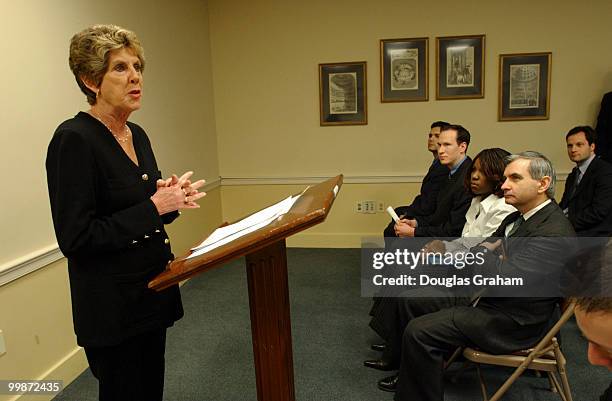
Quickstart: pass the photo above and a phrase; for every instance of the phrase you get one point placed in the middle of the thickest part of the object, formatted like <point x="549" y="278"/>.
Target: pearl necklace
<point x="126" y="130"/>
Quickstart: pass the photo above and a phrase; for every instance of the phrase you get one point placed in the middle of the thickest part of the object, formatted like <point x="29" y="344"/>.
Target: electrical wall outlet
<point x="366" y="206"/>
<point x="381" y="207"/>
<point x="2" y="344"/>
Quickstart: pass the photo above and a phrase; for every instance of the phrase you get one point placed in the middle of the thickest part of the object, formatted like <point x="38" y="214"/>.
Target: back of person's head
<point x="539" y="167"/>
<point x="589" y="133"/>
<point x="439" y="124"/>
<point x="463" y="135"/>
<point x="595" y="304"/>
<point x="492" y="164"/>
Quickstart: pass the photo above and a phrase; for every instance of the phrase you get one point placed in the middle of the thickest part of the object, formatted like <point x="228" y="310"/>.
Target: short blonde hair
<point x="89" y="53"/>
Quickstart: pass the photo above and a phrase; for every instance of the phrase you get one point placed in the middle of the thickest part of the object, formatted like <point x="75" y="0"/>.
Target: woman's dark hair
<point x="492" y="164"/>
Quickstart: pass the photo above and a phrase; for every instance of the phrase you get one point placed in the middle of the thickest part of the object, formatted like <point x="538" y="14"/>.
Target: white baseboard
<point x="329" y="240"/>
<point x="66" y="369"/>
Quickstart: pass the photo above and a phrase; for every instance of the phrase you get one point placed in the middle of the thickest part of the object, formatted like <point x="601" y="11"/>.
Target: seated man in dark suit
<point x="425" y="202"/>
<point x="452" y="202"/>
<point x="453" y="199"/>
<point x="588" y="190"/>
<point x="430" y="329"/>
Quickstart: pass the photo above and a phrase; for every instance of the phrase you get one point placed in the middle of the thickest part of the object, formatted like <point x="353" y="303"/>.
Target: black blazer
<point x="604" y="129"/>
<point x="487" y="322"/>
<point x="425" y="202"/>
<point x="525" y="255"/>
<point x="110" y="231"/>
<point x="590" y="207"/>
<point x="452" y="203"/>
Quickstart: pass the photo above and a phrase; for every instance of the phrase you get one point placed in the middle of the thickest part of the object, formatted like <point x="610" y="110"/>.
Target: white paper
<point x="392" y="213"/>
<point x="229" y="233"/>
<point x="207" y="248"/>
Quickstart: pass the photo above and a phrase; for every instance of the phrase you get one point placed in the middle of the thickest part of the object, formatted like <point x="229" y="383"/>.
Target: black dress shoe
<point x="378" y="347"/>
<point x="379" y="364"/>
<point x="388" y="383"/>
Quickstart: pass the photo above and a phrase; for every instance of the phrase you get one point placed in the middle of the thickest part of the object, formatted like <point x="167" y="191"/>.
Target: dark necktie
<point x="576" y="172"/>
<point x="515" y="227"/>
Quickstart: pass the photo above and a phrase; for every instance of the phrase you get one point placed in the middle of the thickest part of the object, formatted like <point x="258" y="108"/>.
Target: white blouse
<point x="481" y="220"/>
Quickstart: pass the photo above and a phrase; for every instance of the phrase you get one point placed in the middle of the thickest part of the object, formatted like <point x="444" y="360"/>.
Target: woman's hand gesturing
<point x="176" y="193"/>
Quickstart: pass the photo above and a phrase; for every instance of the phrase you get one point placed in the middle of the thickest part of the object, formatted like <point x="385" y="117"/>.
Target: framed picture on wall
<point x="343" y="94"/>
<point x="460" y="67"/>
<point x="404" y="70"/>
<point x="524" y="86"/>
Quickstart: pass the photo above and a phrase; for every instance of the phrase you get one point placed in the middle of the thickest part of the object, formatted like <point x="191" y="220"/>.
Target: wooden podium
<point x="266" y="265"/>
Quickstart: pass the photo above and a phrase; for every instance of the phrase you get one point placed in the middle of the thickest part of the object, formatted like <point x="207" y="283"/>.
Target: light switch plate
<point x="2" y="344"/>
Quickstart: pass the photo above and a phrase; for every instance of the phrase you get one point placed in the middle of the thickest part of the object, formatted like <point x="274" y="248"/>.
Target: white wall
<point x="38" y="92"/>
<point x="265" y="67"/>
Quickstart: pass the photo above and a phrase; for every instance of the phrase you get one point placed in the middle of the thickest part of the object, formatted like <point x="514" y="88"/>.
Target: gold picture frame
<point x="460" y="67"/>
<point x="343" y="93"/>
<point x="524" y="86"/>
<point x="404" y="70"/>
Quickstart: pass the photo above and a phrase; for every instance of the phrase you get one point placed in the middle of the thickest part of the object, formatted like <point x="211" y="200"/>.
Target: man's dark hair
<point x="439" y="124"/>
<point x="599" y="304"/>
<point x="589" y="133"/>
<point x="492" y="164"/>
<point x="463" y="135"/>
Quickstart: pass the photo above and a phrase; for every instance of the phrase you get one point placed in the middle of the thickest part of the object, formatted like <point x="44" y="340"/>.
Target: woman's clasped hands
<point x="176" y="193"/>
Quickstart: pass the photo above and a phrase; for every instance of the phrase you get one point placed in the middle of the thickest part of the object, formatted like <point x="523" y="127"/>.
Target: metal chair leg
<point x="483" y="386"/>
<point x="562" y="371"/>
<point x="551" y="381"/>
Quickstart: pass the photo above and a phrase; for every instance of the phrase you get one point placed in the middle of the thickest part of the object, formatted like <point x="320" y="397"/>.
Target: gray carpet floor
<point x="209" y="352"/>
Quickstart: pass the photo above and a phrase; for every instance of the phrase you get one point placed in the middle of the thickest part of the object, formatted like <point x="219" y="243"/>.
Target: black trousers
<point x="394" y="314"/>
<point x="607" y="395"/>
<point x="425" y="343"/>
<point x="428" y="339"/>
<point x="132" y="370"/>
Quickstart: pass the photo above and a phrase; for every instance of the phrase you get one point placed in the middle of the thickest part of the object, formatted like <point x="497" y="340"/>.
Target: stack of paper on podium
<point x="256" y="232"/>
<point x="226" y="234"/>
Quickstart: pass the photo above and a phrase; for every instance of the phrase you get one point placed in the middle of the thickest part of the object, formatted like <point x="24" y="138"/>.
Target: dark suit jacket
<point x="531" y="315"/>
<point x="110" y="231"/>
<point x="590" y="207"/>
<point x="425" y="202"/>
<point x="604" y="129"/>
<point x="452" y="202"/>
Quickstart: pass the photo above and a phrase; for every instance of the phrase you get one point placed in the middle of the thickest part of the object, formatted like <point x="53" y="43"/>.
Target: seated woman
<point x="488" y="207"/>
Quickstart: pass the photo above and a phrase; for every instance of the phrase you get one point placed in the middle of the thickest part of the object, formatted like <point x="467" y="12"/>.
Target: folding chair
<point x="546" y="356"/>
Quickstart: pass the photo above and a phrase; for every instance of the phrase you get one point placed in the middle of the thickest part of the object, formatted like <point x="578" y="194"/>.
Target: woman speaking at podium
<point x="109" y="206"/>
